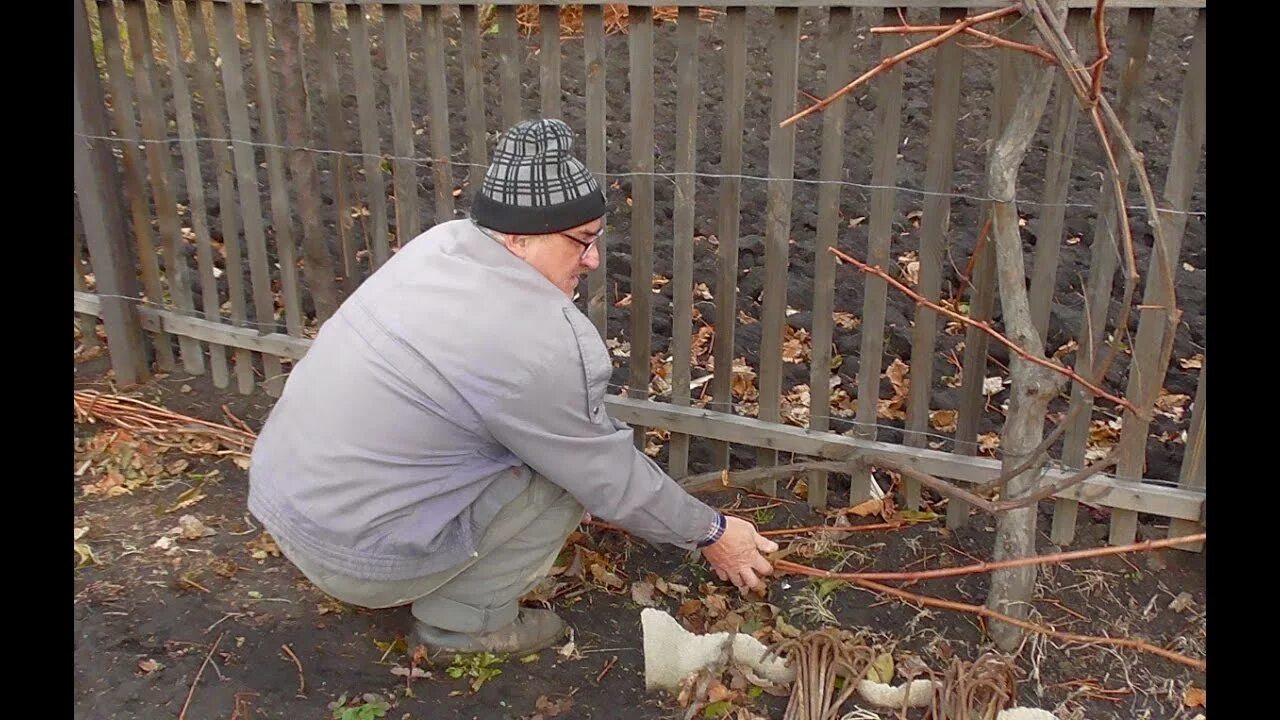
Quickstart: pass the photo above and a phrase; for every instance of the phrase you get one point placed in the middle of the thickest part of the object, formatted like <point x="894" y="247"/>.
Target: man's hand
<point x="736" y="556"/>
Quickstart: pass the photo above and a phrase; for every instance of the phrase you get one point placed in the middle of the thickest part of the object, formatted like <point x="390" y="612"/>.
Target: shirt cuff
<point x="715" y="532"/>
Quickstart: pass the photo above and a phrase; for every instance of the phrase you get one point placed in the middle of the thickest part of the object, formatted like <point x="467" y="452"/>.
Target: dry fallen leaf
<point x="624" y="301"/>
<point x="868" y="507"/>
<point x="1195" y="362"/>
<point x="642" y="593"/>
<point x="943" y="420"/>
<point x="846" y="321"/>
<point x="992" y="386"/>
<point x="1195" y="697"/>
<point x="190" y="527"/>
<point x="146" y="666"/>
<point x="548" y="708"/>
<point x="897" y="374"/>
<point x="989" y="442"/>
<point x="702" y="292"/>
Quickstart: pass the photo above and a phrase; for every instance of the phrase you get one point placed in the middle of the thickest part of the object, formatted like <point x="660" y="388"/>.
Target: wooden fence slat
<point x="640" y="41"/>
<point x="831" y="165"/>
<point x="177" y="270"/>
<point x="278" y="182"/>
<point x="883" y="175"/>
<point x="549" y="59"/>
<point x="509" y="61"/>
<point x="730" y="191"/>
<point x="438" y="102"/>
<point x="473" y="86"/>
<point x="370" y="145"/>
<point x="195" y="185"/>
<point x="1102" y="267"/>
<point x="1192" y="475"/>
<point x="132" y="167"/>
<point x="1058" y="162"/>
<point x="1150" y="360"/>
<point x="593" y="57"/>
<point x="945" y="109"/>
<point x="682" y="256"/>
<point x="336" y="138"/>
<point x="983" y="300"/>
<point x="98" y="196"/>
<point x="319" y="273"/>
<point x="777" y="231"/>
<point x="247" y="181"/>
<point x="1050" y="232"/>
<point x="228" y="204"/>
<point x="404" y="171"/>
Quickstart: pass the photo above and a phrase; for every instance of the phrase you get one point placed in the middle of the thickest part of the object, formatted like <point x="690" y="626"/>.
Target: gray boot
<point x="533" y="629"/>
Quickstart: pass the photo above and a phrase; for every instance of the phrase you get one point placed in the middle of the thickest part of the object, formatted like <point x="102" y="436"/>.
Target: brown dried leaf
<point x="796" y="345"/>
<point x="897" y="374"/>
<point x="943" y="420"/>
<point x="1172" y="405"/>
<point x="624" y="301"/>
<point x="551" y="708"/>
<point x="658" y="282"/>
<point x="989" y="442"/>
<point x="846" y="321"/>
<point x="746" y="319"/>
<point x="702" y="292"/>
<point x="1195" y="362"/>
<point x="868" y="507"/>
<point x="642" y="593"/>
<point x="1195" y="697"/>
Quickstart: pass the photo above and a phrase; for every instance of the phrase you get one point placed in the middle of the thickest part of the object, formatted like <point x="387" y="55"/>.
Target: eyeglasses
<point x="588" y="242"/>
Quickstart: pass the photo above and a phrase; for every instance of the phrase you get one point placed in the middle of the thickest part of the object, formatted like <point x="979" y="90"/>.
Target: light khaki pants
<point x="482" y="594"/>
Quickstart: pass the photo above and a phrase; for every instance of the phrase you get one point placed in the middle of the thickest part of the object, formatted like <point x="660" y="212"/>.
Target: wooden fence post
<point x="97" y="188"/>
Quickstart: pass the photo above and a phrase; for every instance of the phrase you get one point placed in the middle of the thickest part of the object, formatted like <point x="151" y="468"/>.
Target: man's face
<point x="563" y="257"/>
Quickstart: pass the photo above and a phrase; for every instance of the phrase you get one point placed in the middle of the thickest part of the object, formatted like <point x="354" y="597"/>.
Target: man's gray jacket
<point x="426" y="402"/>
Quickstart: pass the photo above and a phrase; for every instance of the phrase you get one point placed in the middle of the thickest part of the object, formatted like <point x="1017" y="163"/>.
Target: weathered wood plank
<point x="983" y="299"/>
<point x="1105" y="256"/>
<point x="640" y="41"/>
<point x="777" y="230"/>
<point x="98" y="196"/>
<point x="831" y="166"/>
<point x="682" y="256"/>
<point x="336" y="137"/>
<point x="549" y="60"/>
<point x="593" y="57"/>
<point x="1150" y="357"/>
<point x="370" y="145"/>
<point x="934" y="218"/>
<point x="228" y="205"/>
<point x="177" y="270"/>
<point x="132" y="173"/>
<point x="438" y="104"/>
<point x="278" y="182"/>
<point x="1192" y="474"/>
<point x="247" y="181"/>
<point x="1059" y="158"/>
<point x="729" y="215"/>
<point x="473" y="87"/>
<point x="209" y="301"/>
<point x="884" y="174"/>
<point x="88" y="323"/>
<point x="510" y="58"/>
<point x="404" y="171"/>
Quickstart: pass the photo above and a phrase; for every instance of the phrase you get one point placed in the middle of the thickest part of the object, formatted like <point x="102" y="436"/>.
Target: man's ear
<point x="517" y="244"/>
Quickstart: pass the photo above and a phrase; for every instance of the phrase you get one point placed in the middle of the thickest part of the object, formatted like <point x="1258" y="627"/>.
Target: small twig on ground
<point x="607" y="667"/>
<point x="984" y="567"/>
<point x="224" y="617"/>
<point x="984" y="327"/>
<point x="302" y="683"/>
<point x="838" y="528"/>
<point x="190" y="693"/>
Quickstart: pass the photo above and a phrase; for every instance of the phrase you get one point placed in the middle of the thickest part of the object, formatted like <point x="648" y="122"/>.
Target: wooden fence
<point x="324" y="140"/>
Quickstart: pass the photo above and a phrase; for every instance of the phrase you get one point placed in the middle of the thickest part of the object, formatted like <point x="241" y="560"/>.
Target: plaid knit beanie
<point x="533" y="185"/>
